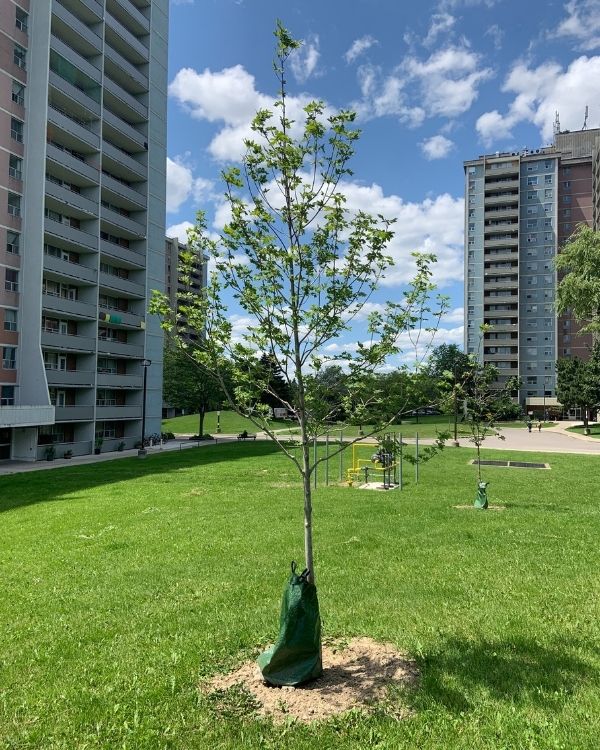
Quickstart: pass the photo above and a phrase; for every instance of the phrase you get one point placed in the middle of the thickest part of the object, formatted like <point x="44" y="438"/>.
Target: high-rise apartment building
<point x="82" y="195"/>
<point x="175" y="285"/>
<point x="520" y="208"/>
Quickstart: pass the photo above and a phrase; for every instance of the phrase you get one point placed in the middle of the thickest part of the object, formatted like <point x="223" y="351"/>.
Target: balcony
<point x="489" y="285"/>
<point x="76" y="59"/>
<point x="71" y="271"/>
<point x="124" y="42"/>
<point x="75" y="33"/>
<point x="501" y="241"/>
<point x="68" y="306"/>
<point x="121" y="132"/>
<point x="123" y="226"/>
<point x="82" y="207"/>
<point x="120" y="349"/>
<point x="78" y="96"/>
<point x="497" y="169"/>
<point x="119" y="412"/>
<point x="26" y="416"/>
<point x="74" y="413"/>
<point x="129" y="15"/>
<point x="503" y="328"/>
<point x="67" y="342"/>
<point x="508" y="197"/>
<point x="64" y="163"/>
<point x="122" y="164"/>
<point x="500" y="185"/>
<point x="70" y="377"/>
<point x="75" y="238"/>
<point x="127" y="257"/>
<point x="124" y="104"/>
<point x="114" y="283"/>
<point x="81" y="137"/>
<point x="127" y="196"/>
<point x="509" y="213"/>
<point x="124" y="73"/>
<point x="122" y="317"/>
<point x="90" y="11"/>
<point x="512" y="356"/>
<point x="114" y="380"/>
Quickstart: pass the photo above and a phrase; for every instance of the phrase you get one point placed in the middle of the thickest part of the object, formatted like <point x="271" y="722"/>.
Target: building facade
<point x="520" y="208"/>
<point x="82" y="195"/>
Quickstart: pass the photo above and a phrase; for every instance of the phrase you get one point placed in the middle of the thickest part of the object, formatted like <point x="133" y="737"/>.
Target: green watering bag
<point x="296" y="655"/>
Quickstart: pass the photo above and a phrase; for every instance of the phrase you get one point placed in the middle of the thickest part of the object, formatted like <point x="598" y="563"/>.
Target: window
<point x="21" y="20"/>
<point x="532" y="167"/>
<point x="18" y="93"/>
<point x="55" y="361"/>
<point x="566" y="170"/>
<point x="9" y="357"/>
<point x="16" y="129"/>
<point x="567" y="228"/>
<point x="567" y="213"/>
<point x="547" y="193"/>
<point x="531" y="238"/>
<point x="567" y="198"/>
<point x="548" y="208"/>
<point x="15" y="167"/>
<point x="472" y="214"/>
<point x="532" y="224"/>
<point x="567" y="184"/>
<point x="471" y="170"/>
<point x="548" y="237"/>
<point x="10" y="320"/>
<point x="548" y="164"/>
<point x="7" y="395"/>
<point x="532" y="180"/>
<point x="548" y="223"/>
<point x="531" y="195"/>
<point x="14" y="204"/>
<point x="11" y="280"/>
<point x="532" y="210"/>
<point x="548" y="179"/>
<point x="12" y="242"/>
<point x="19" y="55"/>
<point x="471" y="227"/>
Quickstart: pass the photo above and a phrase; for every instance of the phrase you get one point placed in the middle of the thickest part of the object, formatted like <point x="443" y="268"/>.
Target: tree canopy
<point x="579" y="289"/>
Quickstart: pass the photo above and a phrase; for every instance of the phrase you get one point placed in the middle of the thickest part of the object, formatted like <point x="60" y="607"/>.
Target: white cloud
<point x="452" y="4"/>
<point x="433" y="226"/>
<point x="456" y="315"/>
<point x="359" y="46"/>
<point x="179" y="230"/>
<point x="541" y="92"/>
<point x="436" y="147"/>
<point x="582" y="23"/>
<point x="303" y="60"/>
<point x="496" y="34"/>
<point x="230" y="97"/>
<point x="440" y="24"/>
<point x="446" y="84"/>
<point x="179" y="184"/>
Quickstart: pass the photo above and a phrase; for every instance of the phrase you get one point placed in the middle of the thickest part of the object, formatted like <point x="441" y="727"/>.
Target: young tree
<point x="309" y="266"/>
<point x="579" y="289"/>
<point x="185" y="386"/>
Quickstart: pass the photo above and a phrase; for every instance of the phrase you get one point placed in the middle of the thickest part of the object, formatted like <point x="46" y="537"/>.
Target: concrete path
<point x="549" y="440"/>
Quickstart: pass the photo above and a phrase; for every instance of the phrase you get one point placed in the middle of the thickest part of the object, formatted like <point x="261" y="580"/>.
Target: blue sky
<point x="433" y="83"/>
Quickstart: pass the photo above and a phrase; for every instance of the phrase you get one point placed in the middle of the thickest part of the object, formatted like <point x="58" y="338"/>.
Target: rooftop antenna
<point x="585" y="118"/>
<point x="556" y="123"/>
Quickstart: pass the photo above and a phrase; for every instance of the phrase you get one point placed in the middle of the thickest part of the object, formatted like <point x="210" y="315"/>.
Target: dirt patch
<point x="356" y="675"/>
<point x="472" y="507"/>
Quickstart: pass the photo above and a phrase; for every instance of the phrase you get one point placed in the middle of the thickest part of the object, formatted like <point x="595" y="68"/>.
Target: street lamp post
<point x="456" y="443"/>
<point x="544" y="407"/>
<point x="145" y="364"/>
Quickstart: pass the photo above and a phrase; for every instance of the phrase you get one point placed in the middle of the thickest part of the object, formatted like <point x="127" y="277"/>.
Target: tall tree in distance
<point x="309" y="266"/>
<point x="579" y="289"/>
<point x="578" y="383"/>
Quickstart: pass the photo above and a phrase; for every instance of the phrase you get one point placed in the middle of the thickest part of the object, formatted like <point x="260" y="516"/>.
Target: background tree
<point x="578" y="383"/>
<point x="185" y="386"/>
<point x="278" y="391"/>
<point x="448" y="358"/>
<point x="579" y="289"/>
<point x="310" y="265"/>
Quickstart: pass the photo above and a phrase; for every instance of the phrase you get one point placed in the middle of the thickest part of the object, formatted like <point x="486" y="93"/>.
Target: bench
<point x="246" y="436"/>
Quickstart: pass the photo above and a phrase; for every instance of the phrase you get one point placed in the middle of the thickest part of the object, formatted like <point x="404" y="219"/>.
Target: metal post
<point x="218" y="422"/>
<point x="455" y="411"/>
<point x="327" y="460"/>
<point x="417" y="459"/>
<point x="401" y="451"/>
<point x="145" y="364"/>
<point x="341" y="455"/>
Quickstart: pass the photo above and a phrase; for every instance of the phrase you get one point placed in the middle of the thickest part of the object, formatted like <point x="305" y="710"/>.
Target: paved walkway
<point x="549" y="440"/>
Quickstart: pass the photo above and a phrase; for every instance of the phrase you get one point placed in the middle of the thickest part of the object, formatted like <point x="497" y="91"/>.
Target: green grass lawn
<point x="125" y="582"/>
<point x="426" y="426"/>
<point x="594" y="429"/>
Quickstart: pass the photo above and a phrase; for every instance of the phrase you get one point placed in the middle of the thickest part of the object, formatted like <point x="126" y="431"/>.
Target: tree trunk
<point x="201" y="426"/>
<point x="308" y="542"/>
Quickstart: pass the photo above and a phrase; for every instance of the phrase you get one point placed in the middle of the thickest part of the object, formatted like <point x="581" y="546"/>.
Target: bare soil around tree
<point x="357" y="674"/>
